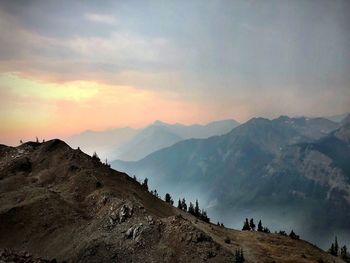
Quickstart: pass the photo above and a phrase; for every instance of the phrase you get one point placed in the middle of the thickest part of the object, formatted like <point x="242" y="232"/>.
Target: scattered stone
<point x="150" y="219"/>
<point x="134" y="232"/>
<point x="129" y="232"/>
<point x="120" y="215"/>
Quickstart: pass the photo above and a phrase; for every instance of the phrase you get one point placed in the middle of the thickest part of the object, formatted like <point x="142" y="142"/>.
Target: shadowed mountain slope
<point x="248" y="173"/>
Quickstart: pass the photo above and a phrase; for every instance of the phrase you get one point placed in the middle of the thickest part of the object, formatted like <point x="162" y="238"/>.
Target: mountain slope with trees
<point x="244" y="174"/>
<point x="59" y="203"/>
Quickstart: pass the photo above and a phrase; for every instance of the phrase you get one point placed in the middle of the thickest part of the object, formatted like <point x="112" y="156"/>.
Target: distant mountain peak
<point x="159" y="122"/>
<point x="346" y="120"/>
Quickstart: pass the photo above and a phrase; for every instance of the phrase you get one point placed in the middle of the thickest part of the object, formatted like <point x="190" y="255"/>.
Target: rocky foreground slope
<point x="59" y="203"/>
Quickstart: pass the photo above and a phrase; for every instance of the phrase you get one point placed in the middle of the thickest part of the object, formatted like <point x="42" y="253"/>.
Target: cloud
<point x="32" y="108"/>
<point x="78" y="57"/>
<point x="101" y="18"/>
<point x="200" y="61"/>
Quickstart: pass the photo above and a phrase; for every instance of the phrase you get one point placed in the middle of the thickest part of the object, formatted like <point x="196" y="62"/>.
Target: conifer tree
<point x="336" y="247"/>
<point x="260" y="227"/>
<point x="292" y="235"/>
<point x="168" y="198"/>
<point x="156" y="193"/>
<point x="95" y="156"/>
<point x="191" y="209"/>
<point x="179" y="204"/>
<point x="196" y="209"/>
<point x="344" y="252"/>
<point x="332" y="250"/>
<point x="204" y="216"/>
<point x="266" y="230"/>
<point x="246" y="226"/>
<point x="145" y="183"/>
<point x="184" y="205"/>
<point x="251" y="224"/>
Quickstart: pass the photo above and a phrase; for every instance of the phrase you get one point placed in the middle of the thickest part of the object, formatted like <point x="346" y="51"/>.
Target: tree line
<point x="191" y="208"/>
<point x="249" y="225"/>
<point x="337" y="251"/>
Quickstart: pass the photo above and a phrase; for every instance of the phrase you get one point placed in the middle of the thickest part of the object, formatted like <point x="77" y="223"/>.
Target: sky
<point x="69" y="66"/>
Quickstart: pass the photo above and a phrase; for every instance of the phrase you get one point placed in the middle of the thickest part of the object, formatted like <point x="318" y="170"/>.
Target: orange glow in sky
<point x="32" y="108"/>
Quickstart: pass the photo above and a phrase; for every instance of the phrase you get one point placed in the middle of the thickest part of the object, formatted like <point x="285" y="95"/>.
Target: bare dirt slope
<point x="59" y="203"/>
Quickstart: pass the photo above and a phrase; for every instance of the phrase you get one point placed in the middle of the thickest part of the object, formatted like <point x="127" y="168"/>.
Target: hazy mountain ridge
<point x="102" y="142"/>
<point x="338" y="117"/>
<point x="132" y="144"/>
<point x="148" y="140"/>
<point x="247" y="170"/>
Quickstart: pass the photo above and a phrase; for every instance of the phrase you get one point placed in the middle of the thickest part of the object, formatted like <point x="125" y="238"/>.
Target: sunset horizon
<point x="92" y="67"/>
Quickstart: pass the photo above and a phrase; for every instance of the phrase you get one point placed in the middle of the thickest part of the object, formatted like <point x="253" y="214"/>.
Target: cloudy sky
<point x="68" y="66"/>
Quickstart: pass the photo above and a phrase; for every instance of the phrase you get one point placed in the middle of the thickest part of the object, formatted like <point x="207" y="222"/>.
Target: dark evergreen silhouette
<point x="251" y="224"/>
<point x="260" y="227"/>
<point x="168" y="199"/>
<point x="282" y="233"/>
<point x="336" y="246"/>
<point x="344" y="254"/>
<point x="266" y="230"/>
<point x="179" y="204"/>
<point x="107" y="164"/>
<point x="191" y="209"/>
<point x="145" y="184"/>
<point x="184" y="205"/>
<point x="156" y="193"/>
<point x="196" y="209"/>
<point x="331" y="250"/>
<point x="246" y="226"/>
<point x="95" y="156"/>
<point x="334" y="250"/>
<point x="292" y="235"/>
<point x="204" y="216"/>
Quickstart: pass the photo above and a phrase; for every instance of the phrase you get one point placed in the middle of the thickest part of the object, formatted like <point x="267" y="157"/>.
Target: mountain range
<point x="130" y="144"/>
<point x="289" y="171"/>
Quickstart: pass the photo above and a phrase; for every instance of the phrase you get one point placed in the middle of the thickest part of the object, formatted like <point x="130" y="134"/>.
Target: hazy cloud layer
<point x="225" y="58"/>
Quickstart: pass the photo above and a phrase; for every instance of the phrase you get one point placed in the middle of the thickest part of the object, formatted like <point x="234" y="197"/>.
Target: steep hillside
<point x="234" y="171"/>
<point x="56" y="202"/>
